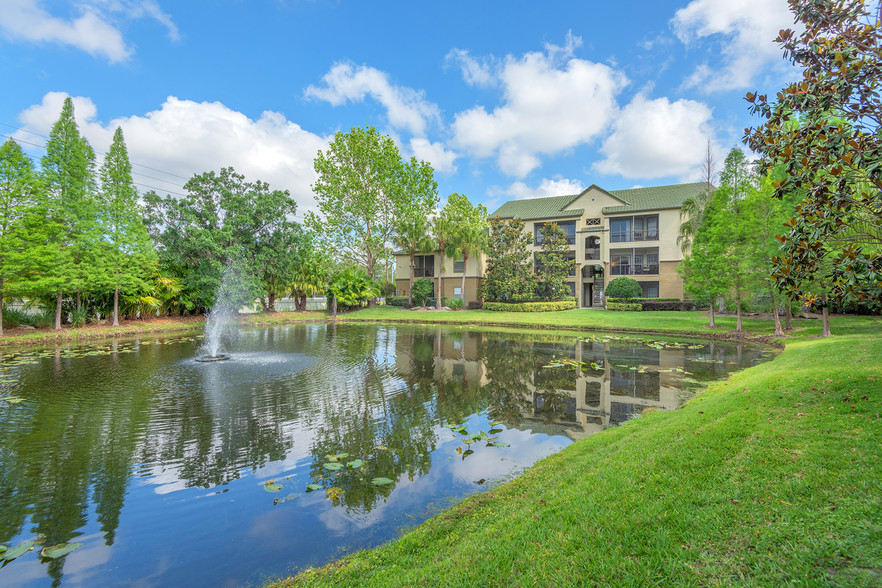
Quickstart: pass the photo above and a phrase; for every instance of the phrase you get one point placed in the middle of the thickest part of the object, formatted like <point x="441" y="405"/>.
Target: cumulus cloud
<point x="437" y="154"/>
<point x="552" y="102"/>
<point x="657" y="138"/>
<point x="556" y="186"/>
<point x="92" y="30"/>
<point x="184" y="138"/>
<point x="406" y="108"/>
<point x="746" y="30"/>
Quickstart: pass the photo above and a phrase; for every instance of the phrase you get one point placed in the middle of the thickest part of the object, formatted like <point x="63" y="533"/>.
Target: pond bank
<point x="770" y="477"/>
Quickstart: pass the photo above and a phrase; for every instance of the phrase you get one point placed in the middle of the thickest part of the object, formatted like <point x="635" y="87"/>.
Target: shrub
<point x="421" y="291"/>
<point x="667" y="304"/>
<point x="623" y="287"/>
<point x="452" y="303"/>
<point x="396" y="300"/>
<point x="624" y="306"/>
<point x="544" y="306"/>
<point x="475" y="305"/>
<point x="13" y="318"/>
<point x="78" y="317"/>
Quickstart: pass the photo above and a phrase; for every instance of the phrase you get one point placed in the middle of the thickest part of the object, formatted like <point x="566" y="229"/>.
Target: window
<point x="423" y="266"/>
<point x="569" y="227"/>
<point x="459" y="266"/>
<point x="572" y="286"/>
<point x="620" y="230"/>
<point x="634" y="262"/>
<point x="650" y="289"/>
<point x="457" y="293"/>
<point x="635" y="228"/>
<point x="620" y="263"/>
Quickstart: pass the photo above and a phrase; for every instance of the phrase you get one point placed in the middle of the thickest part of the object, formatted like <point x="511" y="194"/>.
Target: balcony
<point x="424" y="272"/>
<point x="592" y="254"/>
<point x="627" y="269"/>
<point x="540" y="240"/>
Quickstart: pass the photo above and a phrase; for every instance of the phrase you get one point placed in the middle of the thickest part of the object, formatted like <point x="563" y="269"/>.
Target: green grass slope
<point x="770" y="478"/>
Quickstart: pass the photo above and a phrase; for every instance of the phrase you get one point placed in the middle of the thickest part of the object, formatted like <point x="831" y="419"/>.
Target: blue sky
<point x="505" y="99"/>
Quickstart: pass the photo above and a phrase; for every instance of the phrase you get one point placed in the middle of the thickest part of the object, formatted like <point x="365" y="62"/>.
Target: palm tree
<point x="413" y="237"/>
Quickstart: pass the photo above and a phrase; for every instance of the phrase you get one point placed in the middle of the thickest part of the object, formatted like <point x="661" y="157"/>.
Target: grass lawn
<point x="769" y="478"/>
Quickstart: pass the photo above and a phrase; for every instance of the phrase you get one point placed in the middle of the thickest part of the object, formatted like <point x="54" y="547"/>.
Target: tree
<point x="18" y="199"/>
<point x="363" y="190"/>
<point x="623" y="287"/>
<point x="223" y="218"/>
<point x="554" y="266"/>
<point x="443" y="234"/>
<point x="313" y="268"/>
<point x="470" y="230"/>
<point x="509" y="276"/>
<point x="692" y="210"/>
<point x="130" y="256"/>
<point x="705" y="270"/>
<point x="825" y="132"/>
<point x="68" y="175"/>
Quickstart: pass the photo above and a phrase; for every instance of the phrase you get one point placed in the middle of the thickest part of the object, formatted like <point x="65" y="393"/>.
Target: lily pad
<point x="272" y="486"/>
<point x="59" y="550"/>
<point x="2" y="549"/>
<point x="11" y="399"/>
<point x="381" y="447"/>
<point x="381" y="481"/>
<point x="355" y="463"/>
<point x="498" y="444"/>
<point x="495" y="431"/>
<point x="18" y="551"/>
<point x="313" y="487"/>
<point x="333" y="466"/>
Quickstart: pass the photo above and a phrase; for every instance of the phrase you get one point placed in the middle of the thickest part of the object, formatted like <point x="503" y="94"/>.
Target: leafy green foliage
<point x="624" y="306"/>
<point x="351" y="288"/>
<point x="623" y="287"/>
<point x="509" y="276"/>
<point x="366" y="193"/>
<point x="469" y="229"/>
<point x="824" y="131"/>
<point x="222" y="218"/>
<point x="421" y="291"/>
<point x="543" y="306"/>
<point x="553" y="266"/>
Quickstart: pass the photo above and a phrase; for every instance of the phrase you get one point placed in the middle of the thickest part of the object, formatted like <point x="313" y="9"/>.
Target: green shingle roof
<point x="533" y="208"/>
<point x="636" y="199"/>
<point x="639" y="199"/>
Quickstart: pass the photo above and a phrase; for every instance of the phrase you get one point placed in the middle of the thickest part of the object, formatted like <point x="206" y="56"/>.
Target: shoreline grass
<point x="770" y="477"/>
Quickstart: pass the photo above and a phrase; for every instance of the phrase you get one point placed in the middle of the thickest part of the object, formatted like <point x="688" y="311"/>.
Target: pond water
<point x="313" y="441"/>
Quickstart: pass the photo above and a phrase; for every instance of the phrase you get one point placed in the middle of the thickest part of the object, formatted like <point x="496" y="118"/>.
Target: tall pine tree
<point x="127" y="251"/>
<point x="68" y="174"/>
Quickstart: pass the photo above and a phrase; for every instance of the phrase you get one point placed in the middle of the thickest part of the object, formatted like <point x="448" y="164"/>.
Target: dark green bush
<point x="623" y="287"/>
<point x="451" y="303"/>
<point x="666" y="304"/>
<point x="545" y="306"/>
<point x="396" y="300"/>
<point x="13" y="318"/>
<point x="422" y="289"/>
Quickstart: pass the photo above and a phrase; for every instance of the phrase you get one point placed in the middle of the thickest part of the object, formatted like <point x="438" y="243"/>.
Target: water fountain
<point x="221" y="327"/>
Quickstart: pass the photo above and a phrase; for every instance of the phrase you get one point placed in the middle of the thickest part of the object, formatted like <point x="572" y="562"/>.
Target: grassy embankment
<point x="772" y="477"/>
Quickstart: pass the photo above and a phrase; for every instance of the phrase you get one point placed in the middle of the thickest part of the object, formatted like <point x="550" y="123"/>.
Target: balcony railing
<point x="541" y="241"/>
<point x="627" y="269"/>
<point x="636" y="235"/>
<point x="424" y="272"/>
<point x="592" y="254"/>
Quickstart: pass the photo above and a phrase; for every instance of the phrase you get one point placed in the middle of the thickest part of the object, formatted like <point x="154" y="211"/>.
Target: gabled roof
<point x="654" y="198"/>
<point x="634" y="200"/>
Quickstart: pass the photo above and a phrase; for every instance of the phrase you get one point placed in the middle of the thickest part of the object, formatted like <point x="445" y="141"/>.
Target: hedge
<point x="624" y="306"/>
<point x="667" y="304"/>
<point x="396" y="300"/>
<point x="566" y="304"/>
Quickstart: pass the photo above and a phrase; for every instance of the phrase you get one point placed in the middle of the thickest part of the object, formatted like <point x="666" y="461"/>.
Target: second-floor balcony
<point x="630" y="269"/>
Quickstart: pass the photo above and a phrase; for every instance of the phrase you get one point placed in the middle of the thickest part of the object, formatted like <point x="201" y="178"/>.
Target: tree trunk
<point x="271" y="302"/>
<point x="825" y="317"/>
<point x="438" y="293"/>
<point x="410" y="291"/>
<point x="788" y="316"/>
<point x="333" y="305"/>
<point x="1" y="308"/>
<point x="115" y="307"/>
<point x="465" y="263"/>
<point x="738" y="326"/>
<point x="303" y="302"/>
<point x="58" y="311"/>
<point x="79" y="300"/>
<point x="712" y="324"/>
<point x="779" y="332"/>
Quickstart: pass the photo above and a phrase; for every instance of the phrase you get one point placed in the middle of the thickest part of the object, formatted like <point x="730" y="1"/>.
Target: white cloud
<point x="747" y="30"/>
<point x="92" y="30"/>
<point x="405" y="107"/>
<point x="657" y="138"/>
<point x="184" y="138"/>
<point x="475" y="72"/>
<point x="553" y="102"/>
<point x="442" y="159"/>
<point x="556" y="186"/>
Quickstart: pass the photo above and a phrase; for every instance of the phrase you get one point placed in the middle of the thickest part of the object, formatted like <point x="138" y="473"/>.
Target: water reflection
<point x="114" y="445"/>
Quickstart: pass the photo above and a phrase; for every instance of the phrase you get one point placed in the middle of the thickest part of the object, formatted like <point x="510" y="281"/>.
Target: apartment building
<point x="610" y="233"/>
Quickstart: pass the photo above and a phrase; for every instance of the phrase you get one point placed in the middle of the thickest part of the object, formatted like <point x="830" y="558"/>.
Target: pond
<point x="312" y="441"/>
